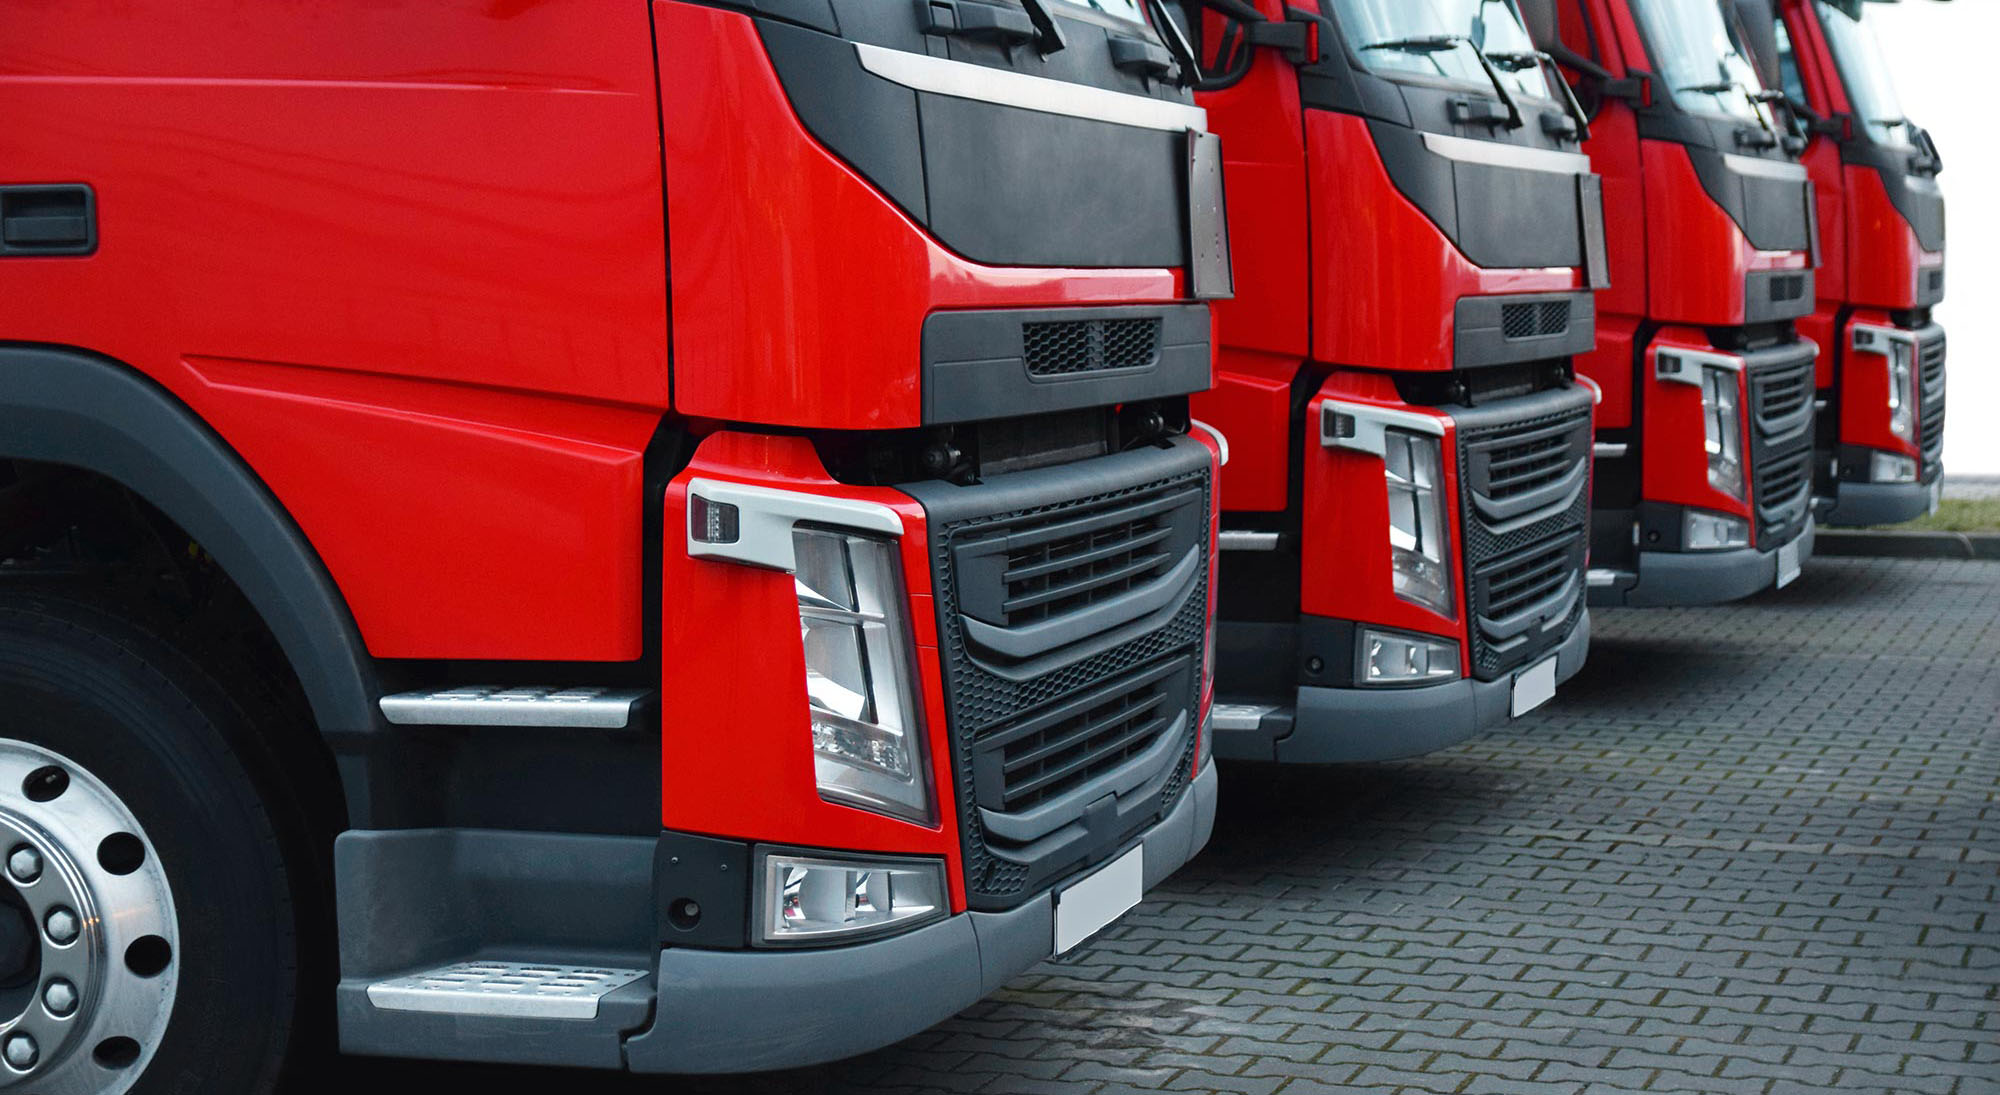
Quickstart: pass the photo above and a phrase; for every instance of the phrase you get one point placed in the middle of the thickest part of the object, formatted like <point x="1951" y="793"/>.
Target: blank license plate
<point x="1788" y="563"/>
<point x="1091" y="905"/>
<point x="1534" y="687"/>
<point x="1937" y="495"/>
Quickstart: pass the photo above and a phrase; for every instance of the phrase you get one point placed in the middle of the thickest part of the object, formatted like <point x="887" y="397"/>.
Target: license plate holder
<point x="1087" y="907"/>
<point x="1788" y="563"/>
<point x="1937" y="495"/>
<point x="1534" y="686"/>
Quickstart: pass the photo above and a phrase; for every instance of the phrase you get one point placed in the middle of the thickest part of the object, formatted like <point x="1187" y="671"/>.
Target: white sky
<point x="1944" y="55"/>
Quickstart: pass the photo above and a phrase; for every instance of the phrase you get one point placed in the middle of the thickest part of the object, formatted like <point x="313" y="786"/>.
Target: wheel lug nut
<point x="62" y="926"/>
<point x="59" y="997"/>
<point x="21" y="1051"/>
<point x="25" y="864"/>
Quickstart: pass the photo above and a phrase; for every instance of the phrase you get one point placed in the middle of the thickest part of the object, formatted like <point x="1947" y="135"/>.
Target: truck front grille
<point x="1781" y="385"/>
<point x="1064" y="347"/>
<point x="1524" y="477"/>
<point x="1072" y="607"/>
<point x="1930" y="401"/>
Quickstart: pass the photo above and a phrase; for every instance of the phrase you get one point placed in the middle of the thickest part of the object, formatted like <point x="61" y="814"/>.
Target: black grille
<point x="1535" y="319"/>
<point x="1936" y="281"/>
<point x="1089" y="345"/>
<point x="1930" y="401"/>
<point x="1071" y="560"/>
<point x="1788" y="288"/>
<point x="1043" y="737"/>
<point x="1782" y="389"/>
<point x="1524" y="485"/>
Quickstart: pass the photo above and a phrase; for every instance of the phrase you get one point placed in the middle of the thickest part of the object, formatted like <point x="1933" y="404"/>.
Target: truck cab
<point x="1881" y="366"/>
<point x="1418" y="236"/>
<point x="648" y="535"/>
<point x="1705" y="437"/>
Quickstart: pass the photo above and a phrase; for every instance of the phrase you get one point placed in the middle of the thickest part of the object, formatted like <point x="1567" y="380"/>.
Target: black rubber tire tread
<point x="168" y="739"/>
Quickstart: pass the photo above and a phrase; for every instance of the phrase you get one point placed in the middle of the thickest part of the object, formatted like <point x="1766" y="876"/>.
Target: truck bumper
<point x="1357" y="725"/>
<point x="742" y="1011"/>
<point x="1862" y="504"/>
<point x="1702" y="577"/>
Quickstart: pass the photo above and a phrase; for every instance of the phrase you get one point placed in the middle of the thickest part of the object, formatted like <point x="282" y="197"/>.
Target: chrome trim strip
<point x="1600" y="577"/>
<point x="486" y="705"/>
<point x="1241" y="540"/>
<point x="1370" y="422"/>
<point x="1696" y="358"/>
<point x="765" y="517"/>
<point x="960" y="80"/>
<point x="1221" y="441"/>
<point x="1764" y="169"/>
<point x="1496" y="154"/>
<point x="1609" y="450"/>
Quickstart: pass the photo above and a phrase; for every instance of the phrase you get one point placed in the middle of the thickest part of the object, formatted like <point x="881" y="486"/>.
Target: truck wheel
<point x="147" y="932"/>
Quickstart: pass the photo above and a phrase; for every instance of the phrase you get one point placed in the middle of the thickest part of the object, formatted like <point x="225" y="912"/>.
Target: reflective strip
<point x="960" y="80"/>
<point x="1782" y="170"/>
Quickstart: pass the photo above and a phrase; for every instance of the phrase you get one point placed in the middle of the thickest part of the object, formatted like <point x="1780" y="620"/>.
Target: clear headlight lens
<point x="1418" y="553"/>
<point x="1722" y="429"/>
<point x="810" y="899"/>
<point x="1705" y="531"/>
<point x="1395" y="657"/>
<point x="1903" y="390"/>
<point x="868" y="746"/>
<point x="1888" y="467"/>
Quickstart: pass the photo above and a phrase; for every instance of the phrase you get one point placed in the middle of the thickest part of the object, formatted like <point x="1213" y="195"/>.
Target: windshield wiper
<point x="1523" y="59"/>
<point x="1756" y="98"/>
<point x="1424" y="45"/>
<point x="1048" y="33"/>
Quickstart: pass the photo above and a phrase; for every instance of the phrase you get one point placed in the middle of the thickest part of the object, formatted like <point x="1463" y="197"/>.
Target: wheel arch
<point x="63" y="405"/>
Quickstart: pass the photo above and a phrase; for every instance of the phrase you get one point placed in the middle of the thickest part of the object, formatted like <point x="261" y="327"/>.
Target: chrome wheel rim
<point x="89" y="941"/>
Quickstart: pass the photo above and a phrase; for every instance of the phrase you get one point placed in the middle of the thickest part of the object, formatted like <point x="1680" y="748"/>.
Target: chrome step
<point x="512" y="990"/>
<point x="1239" y="716"/>
<point x="1603" y="578"/>
<point x="1244" y="540"/>
<point x="487" y="705"/>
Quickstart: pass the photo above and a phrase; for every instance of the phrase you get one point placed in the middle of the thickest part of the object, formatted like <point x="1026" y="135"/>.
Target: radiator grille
<point x="1056" y="732"/>
<point x="1781" y="384"/>
<point x="1782" y="393"/>
<point x="1931" y="401"/>
<point x="1534" y="319"/>
<point x="1064" y="347"/>
<point x="1523" y="526"/>
<point x="1788" y="288"/>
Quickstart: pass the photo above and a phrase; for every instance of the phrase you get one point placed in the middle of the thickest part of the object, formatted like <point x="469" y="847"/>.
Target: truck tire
<point x="149" y="941"/>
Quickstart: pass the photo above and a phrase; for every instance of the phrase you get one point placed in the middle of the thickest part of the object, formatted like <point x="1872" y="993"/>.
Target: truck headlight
<point x="1705" y="531"/>
<point x="1396" y="657"/>
<point x="808" y="899"/>
<point x="1889" y="467"/>
<point x="1902" y="390"/>
<point x="1722" y="430"/>
<point x="868" y="747"/>
<point x="1418" y="553"/>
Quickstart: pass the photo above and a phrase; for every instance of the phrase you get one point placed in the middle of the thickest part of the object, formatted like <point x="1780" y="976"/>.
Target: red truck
<point x="1704" y="475"/>
<point x="1881" y="369"/>
<point x="654" y="535"/>
<point x="1406" y="507"/>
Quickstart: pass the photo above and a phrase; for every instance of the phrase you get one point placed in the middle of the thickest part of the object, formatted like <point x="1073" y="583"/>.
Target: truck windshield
<point x="1124" y="10"/>
<point x="1698" y="46"/>
<point x="1419" y="37"/>
<point x="1865" y="73"/>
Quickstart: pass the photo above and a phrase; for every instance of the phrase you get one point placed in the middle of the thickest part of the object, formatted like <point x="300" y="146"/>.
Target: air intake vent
<point x="1526" y="579"/>
<point x="1789" y="288"/>
<point x="1085" y="738"/>
<point x="1935" y="279"/>
<point x="1530" y="465"/>
<point x="1930" y="372"/>
<point x="1780" y="395"/>
<point x="1090" y="345"/>
<point x="1535" y="320"/>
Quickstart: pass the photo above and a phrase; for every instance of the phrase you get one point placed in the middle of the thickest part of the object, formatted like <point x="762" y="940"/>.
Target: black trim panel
<point x="976" y="364"/>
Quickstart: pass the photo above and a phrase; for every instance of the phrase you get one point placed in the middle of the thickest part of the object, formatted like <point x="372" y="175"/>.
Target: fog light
<point x="1888" y="467"/>
<point x="1394" y="657"/>
<point x="813" y="900"/>
<point x="1705" y="531"/>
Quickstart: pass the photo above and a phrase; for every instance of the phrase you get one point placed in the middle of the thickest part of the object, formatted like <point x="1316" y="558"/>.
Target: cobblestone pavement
<point x="1749" y="849"/>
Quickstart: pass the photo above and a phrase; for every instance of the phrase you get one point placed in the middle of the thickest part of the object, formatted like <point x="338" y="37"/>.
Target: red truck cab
<point x="1881" y="368"/>
<point x="648" y="535"/>
<point x="1704" y="456"/>
<point x="1405" y="511"/>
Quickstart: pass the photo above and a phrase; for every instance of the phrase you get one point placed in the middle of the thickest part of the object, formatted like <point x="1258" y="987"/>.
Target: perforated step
<point x="515" y="990"/>
<point x="486" y="705"/>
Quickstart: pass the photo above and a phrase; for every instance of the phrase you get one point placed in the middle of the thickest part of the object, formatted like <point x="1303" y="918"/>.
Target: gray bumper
<point x="1701" y="577"/>
<point x="1354" y="725"/>
<point x="1857" y="505"/>
<point x="742" y="1011"/>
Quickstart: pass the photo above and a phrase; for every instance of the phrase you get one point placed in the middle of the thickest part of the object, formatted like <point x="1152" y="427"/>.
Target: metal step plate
<point x="485" y="705"/>
<point x="516" y="990"/>
<point x="1239" y="716"/>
